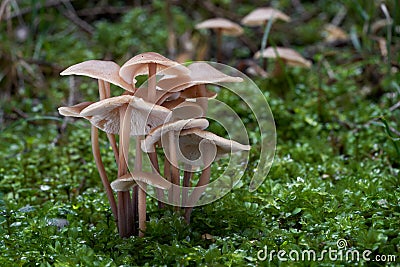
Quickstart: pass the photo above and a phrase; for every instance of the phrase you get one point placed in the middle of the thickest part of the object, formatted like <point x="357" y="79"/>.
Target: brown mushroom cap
<point x="105" y="114"/>
<point x="289" y="56"/>
<point x="125" y="182"/>
<point x="155" y="134"/>
<point x="200" y="73"/>
<point x="74" y="111"/>
<point x="189" y="141"/>
<point x="259" y="16"/>
<point x="138" y="65"/>
<point x="99" y="69"/>
<point x="226" y="26"/>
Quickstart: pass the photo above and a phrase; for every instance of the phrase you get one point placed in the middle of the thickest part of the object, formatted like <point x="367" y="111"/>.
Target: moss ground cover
<point x="335" y="174"/>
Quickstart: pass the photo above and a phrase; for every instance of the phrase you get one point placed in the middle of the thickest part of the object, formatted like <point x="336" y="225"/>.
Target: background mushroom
<point x="264" y="16"/>
<point x="222" y="27"/>
<point x="288" y="56"/>
<point x="260" y="16"/>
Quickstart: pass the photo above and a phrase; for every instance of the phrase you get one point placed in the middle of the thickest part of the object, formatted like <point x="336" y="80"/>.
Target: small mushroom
<point x="260" y="16"/>
<point x="222" y="27"/>
<point x="127" y="181"/>
<point x="74" y="111"/>
<point x="333" y="33"/>
<point x="145" y="116"/>
<point x="103" y="70"/>
<point x="149" y="63"/>
<point x="194" y="85"/>
<point x="289" y="56"/>
<point x="167" y="135"/>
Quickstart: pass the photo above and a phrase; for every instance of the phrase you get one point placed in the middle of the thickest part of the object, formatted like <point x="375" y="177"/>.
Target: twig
<point x="70" y="14"/>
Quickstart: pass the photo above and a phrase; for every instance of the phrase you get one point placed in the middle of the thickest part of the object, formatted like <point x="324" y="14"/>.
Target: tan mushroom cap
<point x="200" y="73"/>
<point x="289" y="56"/>
<point x="127" y="181"/>
<point x="105" y="114"/>
<point x="186" y="110"/>
<point x="334" y="33"/>
<point x="226" y="26"/>
<point x="189" y="141"/>
<point x="74" y="111"/>
<point x="99" y="69"/>
<point x="260" y="15"/>
<point x="138" y="65"/>
<point x="155" y="134"/>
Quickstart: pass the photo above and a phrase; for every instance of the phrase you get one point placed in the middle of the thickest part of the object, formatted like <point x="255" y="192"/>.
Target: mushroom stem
<point x="202" y="99"/>
<point x="198" y="191"/>
<point x="174" y="168"/>
<point x="156" y="169"/>
<point x="125" y="227"/>
<point x="141" y="189"/>
<point x="104" y="92"/>
<point x="204" y="180"/>
<point x="187" y="175"/>
<point x="151" y="90"/>
<point x="219" y="45"/>
<point x="102" y="171"/>
<point x="278" y="70"/>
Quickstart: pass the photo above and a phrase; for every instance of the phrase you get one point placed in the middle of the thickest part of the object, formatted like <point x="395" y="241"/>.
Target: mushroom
<point x="289" y="56"/>
<point x="194" y="85"/>
<point x="145" y="116"/>
<point x="222" y="27"/>
<point x="75" y="110"/>
<point x="106" y="72"/>
<point x="102" y="70"/>
<point x="333" y="33"/>
<point x="202" y="147"/>
<point x="127" y="181"/>
<point x="149" y="63"/>
<point x="260" y="16"/>
<point x="167" y="134"/>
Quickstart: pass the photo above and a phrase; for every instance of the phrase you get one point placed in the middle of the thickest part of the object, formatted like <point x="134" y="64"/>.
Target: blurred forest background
<point x="336" y="171"/>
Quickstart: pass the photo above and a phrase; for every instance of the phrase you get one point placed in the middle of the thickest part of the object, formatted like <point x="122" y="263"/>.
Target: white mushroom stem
<point x="102" y="171"/>
<point x="156" y="169"/>
<point x="104" y="92"/>
<point x="141" y="189"/>
<point x="123" y="197"/>
<point x="174" y="168"/>
<point x="151" y="90"/>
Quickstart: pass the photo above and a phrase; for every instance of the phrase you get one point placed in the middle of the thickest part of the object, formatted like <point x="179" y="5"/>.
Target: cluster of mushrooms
<point x="258" y="17"/>
<point x="166" y="113"/>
